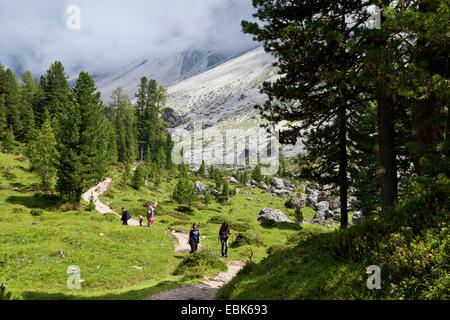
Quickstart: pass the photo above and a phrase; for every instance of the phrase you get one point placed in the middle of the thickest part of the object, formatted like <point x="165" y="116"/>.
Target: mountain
<point x="213" y="90"/>
<point x="224" y="97"/>
<point x="167" y="69"/>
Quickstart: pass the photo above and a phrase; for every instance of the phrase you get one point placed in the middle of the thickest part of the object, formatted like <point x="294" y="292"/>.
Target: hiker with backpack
<point x="125" y="216"/>
<point x="224" y="232"/>
<point x="151" y="211"/>
<point x="194" y="238"/>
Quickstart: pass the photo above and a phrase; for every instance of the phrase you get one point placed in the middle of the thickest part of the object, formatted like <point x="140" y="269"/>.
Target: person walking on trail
<point x="150" y="218"/>
<point x="224" y="232"/>
<point x="125" y="216"/>
<point x="194" y="238"/>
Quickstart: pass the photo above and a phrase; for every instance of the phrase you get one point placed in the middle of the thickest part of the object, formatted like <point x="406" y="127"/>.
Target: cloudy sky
<point x="33" y="33"/>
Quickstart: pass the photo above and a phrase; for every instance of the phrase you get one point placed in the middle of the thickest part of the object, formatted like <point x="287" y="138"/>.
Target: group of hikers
<point x="194" y="234"/>
<point x="151" y="212"/>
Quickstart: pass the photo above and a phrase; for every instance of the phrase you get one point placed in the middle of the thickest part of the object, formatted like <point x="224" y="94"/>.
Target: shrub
<point x="36" y="212"/>
<point x="200" y="264"/>
<point x="244" y="239"/>
<point x="91" y="205"/>
<point x="4" y="294"/>
<point x="298" y="214"/>
<point x="217" y="220"/>
<point x="257" y="174"/>
<point x="178" y="215"/>
<point x="138" y="178"/>
<point x="184" y="192"/>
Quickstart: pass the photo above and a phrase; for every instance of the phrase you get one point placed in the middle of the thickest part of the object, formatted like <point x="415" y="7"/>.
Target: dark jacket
<point x="125" y="216"/>
<point x="194" y="236"/>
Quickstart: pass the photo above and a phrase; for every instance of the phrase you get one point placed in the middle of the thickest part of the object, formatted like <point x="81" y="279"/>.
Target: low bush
<point x="200" y="264"/>
<point x="243" y="239"/>
<point x="36" y="212"/>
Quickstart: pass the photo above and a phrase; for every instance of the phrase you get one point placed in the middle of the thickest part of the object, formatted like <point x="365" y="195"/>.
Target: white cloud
<point x="33" y="33"/>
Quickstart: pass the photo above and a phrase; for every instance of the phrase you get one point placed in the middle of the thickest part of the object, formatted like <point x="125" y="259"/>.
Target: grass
<point x="409" y="244"/>
<point x="37" y="226"/>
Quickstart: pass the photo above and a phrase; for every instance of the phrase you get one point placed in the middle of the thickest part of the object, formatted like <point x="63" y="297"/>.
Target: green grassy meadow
<point x="107" y="252"/>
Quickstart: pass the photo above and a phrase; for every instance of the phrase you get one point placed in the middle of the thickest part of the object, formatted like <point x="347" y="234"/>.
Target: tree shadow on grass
<point x="282" y="226"/>
<point x="132" y="294"/>
<point x="33" y="202"/>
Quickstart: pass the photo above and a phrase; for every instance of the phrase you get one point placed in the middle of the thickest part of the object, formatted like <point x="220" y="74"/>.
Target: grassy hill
<point x="409" y="244"/>
<point x="42" y="236"/>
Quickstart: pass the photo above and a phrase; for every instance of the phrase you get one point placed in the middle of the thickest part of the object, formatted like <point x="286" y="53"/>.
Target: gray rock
<point x="263" y="186"/>
<point x="232" y="180"/>
<point x="337" y="218"/>
<point x="269" y="214"/>
<point x="319" y="216"/>
<point x="281" y="193"/>
<point x="357" y="217"/>
<point x="277" y="183"/>
<point x="313" y="194"/>
<point x="294" y="203"/>
<point x="310" y="202"/>
<point x="334" y="204"/>
<point x="353" y="205"/>
<point x="199" y="187"/>
<point x="215" y="192"/>
<point x="328" y="214"/>
<point x="287" y="184"/>
<point x="250" y="199"/>
<point x="322" y="206"/>
<point x="253" y="183"/>
<point x="323" y="197"/>
<point x="238" y="190"/>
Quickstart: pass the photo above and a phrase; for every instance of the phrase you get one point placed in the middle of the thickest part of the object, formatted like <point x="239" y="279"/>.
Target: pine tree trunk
<point x="387" y="153"/>
<point x="425" y="130"/>
<point x="343" y="165"/>
<point x="78" y="194"/>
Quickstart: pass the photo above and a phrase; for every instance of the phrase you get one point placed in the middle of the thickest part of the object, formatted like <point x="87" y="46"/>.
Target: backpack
<point x="128" y="216"/>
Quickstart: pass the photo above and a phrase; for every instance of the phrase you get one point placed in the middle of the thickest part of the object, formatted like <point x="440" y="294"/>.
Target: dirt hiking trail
<point x="205" y="290"/>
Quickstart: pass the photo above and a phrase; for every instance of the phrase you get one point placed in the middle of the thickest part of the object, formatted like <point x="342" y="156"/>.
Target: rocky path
<point x="205" y="290"/>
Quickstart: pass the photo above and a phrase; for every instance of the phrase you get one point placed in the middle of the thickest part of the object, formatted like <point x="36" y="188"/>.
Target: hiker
<point x="194" y="238"/>
<point x="141" y="218"/>
<point x="150" y="213"/>
<point x="223" y="238"/>
<point x="125" y="216"/>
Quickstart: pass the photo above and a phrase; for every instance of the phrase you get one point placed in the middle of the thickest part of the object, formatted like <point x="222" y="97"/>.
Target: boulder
<point x="353" y="205"/>
<point x="337" y="218"/>
<point x="334" y="204"/>
<point x="277" y="183"/>
<point x="287" y="184"/>
<point x="281" y="193"/>
<point x="310" y="202"/>
<point x="357" y="217"/>
<point x="253" y="183"/>
<point x="323" y="197"/>
<point x="313" y="194"/>
<point x="319" y="216"/>
<point x="269" y="214"/>
<point x="328" y="214"/>
<point x="232" y="180"/>
<point x="294" y="203"/>
<point x="199" y="187"/>
<point x="215" y="192"/>
<point x="322" y="206"/>
<point x="263" y="186"/>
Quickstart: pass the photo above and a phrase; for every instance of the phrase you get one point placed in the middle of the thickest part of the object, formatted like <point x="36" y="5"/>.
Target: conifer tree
<point x="84" y="158"/>
<point x="43" y="153"/>
<point x="54" y="93"/>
